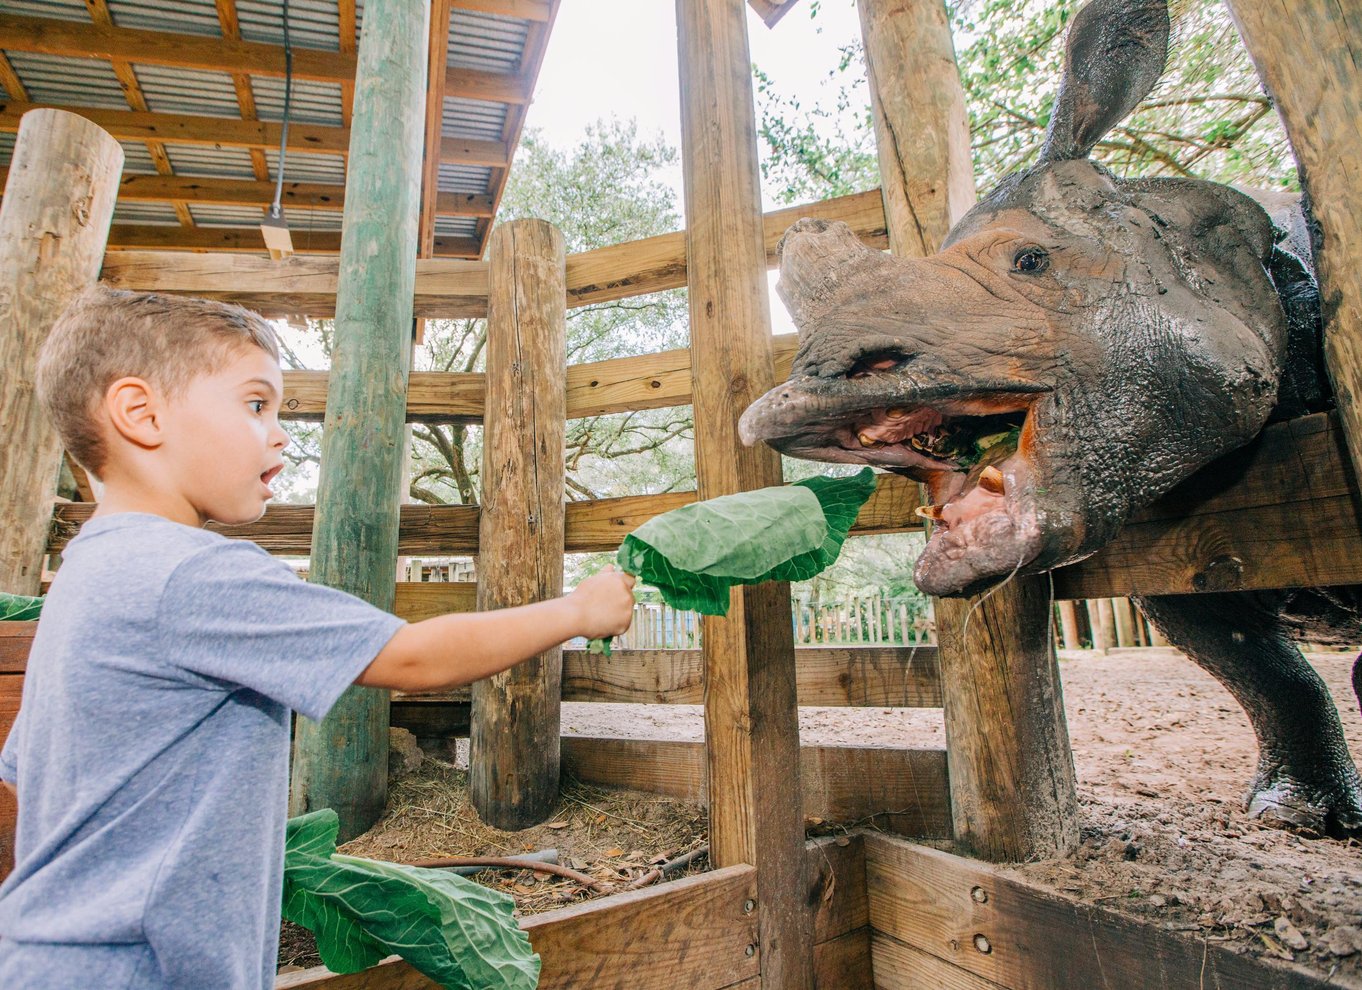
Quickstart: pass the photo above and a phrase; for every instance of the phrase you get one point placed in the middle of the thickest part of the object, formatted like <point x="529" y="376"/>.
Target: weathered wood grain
<point x="514" y="760"/>
<point x="941" y="904"/>
<point x="903" y="790"/>
<point x="53" y="224"/>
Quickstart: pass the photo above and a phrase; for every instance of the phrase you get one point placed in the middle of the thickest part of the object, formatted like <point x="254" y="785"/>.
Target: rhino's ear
<point x="1115" y="54"/>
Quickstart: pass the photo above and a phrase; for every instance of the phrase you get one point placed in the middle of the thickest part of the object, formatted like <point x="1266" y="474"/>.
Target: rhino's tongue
<point x="987" y="527"/>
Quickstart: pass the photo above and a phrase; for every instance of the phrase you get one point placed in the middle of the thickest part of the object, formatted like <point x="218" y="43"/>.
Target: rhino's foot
<point x="1287" y="804"/>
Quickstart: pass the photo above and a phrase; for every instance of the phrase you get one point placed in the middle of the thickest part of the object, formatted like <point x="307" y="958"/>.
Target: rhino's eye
<point x="1031" y="261"/>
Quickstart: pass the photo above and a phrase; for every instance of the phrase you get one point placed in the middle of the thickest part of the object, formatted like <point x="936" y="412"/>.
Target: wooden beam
<point x="591" y="527"/>
<point x="241" y="82"/>
<point x="327" y="196"/>
<point x="202" y="131"/>
<point x="1279" y="513"/>
<point x="752" y="749"/>
<point x="694" y="932"/>
<point x="986" y="929"/>
<point x="52" y="231"/>
<point x="50" y="36"/>
<point x="468" y="151"/>
<point x="444" y="288"/>
<point x="525" y="10"/>
<point x="10" y="80"/>
<point x="436" y="80"/>
<point x="1317" y="98"/>
<point x="349" y="37"/>
<point x="771" y="11"/>
<point x="851" y="676"/>
<point x="491" y="87"/>
<point x="342" y="761"/>
<point x="163" y="237"/>
<point x="513" y="773"/>
<point x="902" y="790"/>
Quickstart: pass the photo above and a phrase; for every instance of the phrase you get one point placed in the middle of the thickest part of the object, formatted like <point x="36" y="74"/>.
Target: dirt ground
<point x="1162" y="752"/>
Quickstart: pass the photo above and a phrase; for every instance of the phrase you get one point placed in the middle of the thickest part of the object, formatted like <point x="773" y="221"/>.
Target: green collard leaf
<point x="19" y="608"/>
<point x="694" y="554"/>
<point x="457" y="933"/>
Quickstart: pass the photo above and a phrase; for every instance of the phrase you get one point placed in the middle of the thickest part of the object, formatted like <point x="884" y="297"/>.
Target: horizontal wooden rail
<point x="597" y="388"/>
<point x="592" y="527"/>
<point x="445" y="289"/>
<point x="1279" y="513"/>
<point x="838" y="676"/>
<point x="693" y="932"/>
<point x="942" y="920"/>
<point x="654" y="938"/>
<point x="903" y="790"/>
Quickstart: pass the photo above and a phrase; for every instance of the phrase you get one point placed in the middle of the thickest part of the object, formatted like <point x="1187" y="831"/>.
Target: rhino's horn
<point x="1116" y="52"/>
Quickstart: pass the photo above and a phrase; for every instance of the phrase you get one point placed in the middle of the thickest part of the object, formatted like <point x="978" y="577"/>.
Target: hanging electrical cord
<point x="274" y="227"/>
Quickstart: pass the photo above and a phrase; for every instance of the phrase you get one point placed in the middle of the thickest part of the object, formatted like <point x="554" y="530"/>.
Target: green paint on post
<point x="342" y="762"/>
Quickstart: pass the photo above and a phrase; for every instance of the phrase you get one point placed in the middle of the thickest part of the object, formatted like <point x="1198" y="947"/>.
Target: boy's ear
<point x="135" y="410"/>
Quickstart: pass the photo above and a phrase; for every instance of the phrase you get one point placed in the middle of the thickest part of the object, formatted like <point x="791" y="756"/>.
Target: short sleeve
<point x="9" y="755"/>
<point x="233" y="613"/>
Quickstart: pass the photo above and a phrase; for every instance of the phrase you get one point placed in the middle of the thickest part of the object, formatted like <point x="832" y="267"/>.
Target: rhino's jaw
<point x="969" y="444"/>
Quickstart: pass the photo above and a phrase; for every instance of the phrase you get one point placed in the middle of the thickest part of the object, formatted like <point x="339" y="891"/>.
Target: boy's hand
<point x="605" y="604"/>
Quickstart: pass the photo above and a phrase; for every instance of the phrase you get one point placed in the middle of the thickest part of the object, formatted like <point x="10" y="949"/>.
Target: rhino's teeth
<point x="991" y="480"/>
<point x="932" y="512"/>
<point x="868" y="441"/>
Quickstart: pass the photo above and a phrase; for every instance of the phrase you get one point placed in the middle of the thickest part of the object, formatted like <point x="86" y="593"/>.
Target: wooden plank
<point x="692" y="933"/>
<point x="1238" y="524"/>
<point x="942" y="904"/>
<point x="771" y="11"/>
<point x="436" y="74"/>
<point x="11" y="688"/>
<point x="246" y="240"/>
<point x="327" y="196"/>
<point x="204" y="131"/>
<point x="417" y="600"/>
<point x="525" y="10"/>
<point x="16" y="639"/>
<point x="836" y="894"/>
<point x="898" y="966"/>
<point x="490" y="87"/>
<point x="433" y="719"/>
<point x="52" y="229"/>
<point x="852" y="676"/>
<point x="470" y="151"/>
<point x="844" y="963"/>
<point x="50" y="36"/>
<point x="658" y="263"/>
<point x="592" y="527"/>
<point x="444" y="288"/>
<point x="341" y="762"/>
<point x="903" y="790"/>
<point x="1317" y="99"/>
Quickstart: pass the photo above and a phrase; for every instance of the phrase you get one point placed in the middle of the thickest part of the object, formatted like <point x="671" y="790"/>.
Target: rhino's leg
<point x="1305" y="779"/>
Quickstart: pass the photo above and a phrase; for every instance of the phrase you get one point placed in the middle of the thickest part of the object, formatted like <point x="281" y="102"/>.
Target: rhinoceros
<point x="1080" y="345"/>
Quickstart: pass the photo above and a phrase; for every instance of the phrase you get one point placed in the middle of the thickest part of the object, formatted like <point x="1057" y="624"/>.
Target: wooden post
<point x="1013" y="792"/>
<point x="1068" y="624"/>
<point x="751" y="713"/>
<point x="1317" y="97"/>
<point x="342" y="762"/>
<point x="514" y="740"/>
<point x="1124" y="621"/>
<point x="1099" y="622"/>
<point x="54" y="222"/>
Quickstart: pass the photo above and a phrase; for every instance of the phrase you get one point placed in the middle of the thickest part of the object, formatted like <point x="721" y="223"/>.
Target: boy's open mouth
<point x="268" y="476"/>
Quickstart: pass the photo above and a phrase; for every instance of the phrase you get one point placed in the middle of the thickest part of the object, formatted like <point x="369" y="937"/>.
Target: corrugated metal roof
<point x="476" y="40"/>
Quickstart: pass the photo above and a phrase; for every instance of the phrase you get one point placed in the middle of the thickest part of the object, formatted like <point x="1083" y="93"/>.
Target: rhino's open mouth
<point x="970" y="447"/>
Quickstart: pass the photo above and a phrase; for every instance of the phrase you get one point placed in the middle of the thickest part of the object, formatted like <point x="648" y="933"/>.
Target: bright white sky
<point x="618" y="58"/>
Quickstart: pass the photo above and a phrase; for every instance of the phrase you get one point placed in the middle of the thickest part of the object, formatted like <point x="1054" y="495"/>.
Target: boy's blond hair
<point x="107" y="334"/>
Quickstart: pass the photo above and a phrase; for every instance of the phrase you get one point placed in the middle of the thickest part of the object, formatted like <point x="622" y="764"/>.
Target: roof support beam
<point x="165" y="237"/>
<point x="526" y="10"/>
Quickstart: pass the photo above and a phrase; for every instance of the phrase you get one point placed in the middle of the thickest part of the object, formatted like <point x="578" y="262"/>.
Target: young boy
<point x="151" y="747"/>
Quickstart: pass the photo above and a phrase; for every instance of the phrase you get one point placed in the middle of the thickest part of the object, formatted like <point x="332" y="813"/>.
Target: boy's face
<point x="223" y="438"/>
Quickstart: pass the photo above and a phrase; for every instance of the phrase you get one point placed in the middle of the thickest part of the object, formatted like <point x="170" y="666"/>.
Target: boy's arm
<point x="452" y="650"/>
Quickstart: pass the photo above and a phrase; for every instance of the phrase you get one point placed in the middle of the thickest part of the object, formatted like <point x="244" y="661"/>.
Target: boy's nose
<point x="281" y="439"/>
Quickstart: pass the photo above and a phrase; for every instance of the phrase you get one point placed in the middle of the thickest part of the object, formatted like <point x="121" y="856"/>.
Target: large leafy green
<point x="19" y="608"/>
<point x="457" y="933"/>
<point x="770" y="534"/>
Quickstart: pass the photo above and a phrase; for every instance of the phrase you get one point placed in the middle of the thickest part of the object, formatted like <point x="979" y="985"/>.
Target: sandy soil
<point x="1163" y="755"/>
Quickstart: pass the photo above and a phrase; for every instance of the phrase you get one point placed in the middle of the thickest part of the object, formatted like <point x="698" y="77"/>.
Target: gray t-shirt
<point x="152" y="742"/>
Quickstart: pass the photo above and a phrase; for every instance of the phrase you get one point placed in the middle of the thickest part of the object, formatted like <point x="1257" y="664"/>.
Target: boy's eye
<point x="257" y="405"/>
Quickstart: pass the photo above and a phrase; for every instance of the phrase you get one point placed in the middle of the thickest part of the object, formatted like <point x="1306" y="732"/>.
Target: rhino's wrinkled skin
<point x="1080" y="345"/>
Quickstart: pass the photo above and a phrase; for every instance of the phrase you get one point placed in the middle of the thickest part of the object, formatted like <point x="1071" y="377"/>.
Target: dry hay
<point x="615" y="837"/>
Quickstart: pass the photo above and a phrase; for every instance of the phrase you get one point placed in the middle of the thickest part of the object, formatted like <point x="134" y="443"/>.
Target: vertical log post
<point x="1013" y="792"/>
<point x="514" y="740"/>
<point x="1317" y="97"/>
<point x="751" y="713"/>
<point x="1068" y="624"/>
<point x="342" y="762"/>
<point x="54" y="222"/>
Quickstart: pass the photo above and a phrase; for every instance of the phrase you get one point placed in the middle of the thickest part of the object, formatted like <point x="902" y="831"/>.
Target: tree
<point x="606" y="190"/>
<point x="1207" y="118"/>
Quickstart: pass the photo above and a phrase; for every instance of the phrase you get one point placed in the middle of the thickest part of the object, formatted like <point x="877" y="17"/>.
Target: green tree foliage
<point x="1207" y="118"/>
<point x="606" y="190"/>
